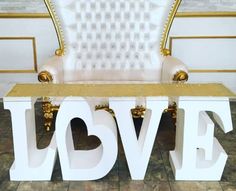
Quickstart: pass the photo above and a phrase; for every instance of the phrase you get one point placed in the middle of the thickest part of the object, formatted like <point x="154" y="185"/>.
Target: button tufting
<point x="122" y="5"/>
<point x="93" y="26"/>
<point x="93" y="6"/>
<point x="146" y="16"/>
<point x="137" y="16"/>
<point x="98" y="16"/>
<point x="141" y="46"/>
<point x="112" y="5"/>
<point x="83" y="6"/>
<point x="83" y="65"/>
<point x="108" y="16"/>
<point x="116" y="33"/>
<point x="103" y="5"/>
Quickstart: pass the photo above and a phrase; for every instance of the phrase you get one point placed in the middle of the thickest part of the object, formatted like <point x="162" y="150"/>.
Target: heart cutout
<point x="85" y="164"/>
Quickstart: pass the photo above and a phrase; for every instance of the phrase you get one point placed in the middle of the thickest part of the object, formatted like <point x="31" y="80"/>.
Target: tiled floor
<point x="159" y="175"/>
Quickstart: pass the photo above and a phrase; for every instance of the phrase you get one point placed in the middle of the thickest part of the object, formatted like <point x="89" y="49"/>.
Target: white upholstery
<point x="54" y="65"/>
<point x="114" y="40"/>
<point x="170" y="67"/>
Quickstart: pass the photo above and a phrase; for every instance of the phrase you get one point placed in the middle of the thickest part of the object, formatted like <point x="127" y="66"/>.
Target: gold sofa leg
<point x="138" y="111"/>
<point x="172" y="109"/>
<point x="48" y="112"/>
<point x="106" y="108"/>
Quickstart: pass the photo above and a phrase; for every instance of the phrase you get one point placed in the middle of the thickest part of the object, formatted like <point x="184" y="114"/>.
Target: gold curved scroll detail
<point x="45" y="77"/>
<point x="138" y="111"/>
<point x="106" y="108"/>
<point x="61" y="50"/>
<point x="180" y="76"/>
<point x="167" y="27"/>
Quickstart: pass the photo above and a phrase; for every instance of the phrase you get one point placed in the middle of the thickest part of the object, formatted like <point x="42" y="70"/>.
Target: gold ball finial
<point x="166" y="52"/>
<point x="59" y="52"/>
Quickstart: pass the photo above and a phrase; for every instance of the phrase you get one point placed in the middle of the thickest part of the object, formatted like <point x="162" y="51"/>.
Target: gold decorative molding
<point x="35" y="67"/>
<point x="48" y="112"/>
<point x="171" y="38"/>
<point x="178" y="14"/>
<point x="166" y="52"/>
<point x="106" y="108"/>
<point x="168" y="24"/>
<point x="61" y="50"/>
<point x="138" y="111"/>
<point x="206" y="14"/>
<point x="45" y="77"/>
<point x="180" y="76"/>
<point x="172" y="109"/>
<point x="24" y="15"/>
<point x="212" y="71"/>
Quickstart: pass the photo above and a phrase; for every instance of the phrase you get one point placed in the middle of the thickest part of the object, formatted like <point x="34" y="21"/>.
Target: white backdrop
<point x="207" y="46"/>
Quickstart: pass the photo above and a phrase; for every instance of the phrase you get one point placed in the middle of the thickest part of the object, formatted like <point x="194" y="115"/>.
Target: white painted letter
<point x="138" y="150"/>
<point x="30" y="163"/>
<point x="85" y="164"/>
<point x="198" y="154"/>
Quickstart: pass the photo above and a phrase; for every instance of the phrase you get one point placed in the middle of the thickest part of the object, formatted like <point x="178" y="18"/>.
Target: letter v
<point x="138" y="150"/>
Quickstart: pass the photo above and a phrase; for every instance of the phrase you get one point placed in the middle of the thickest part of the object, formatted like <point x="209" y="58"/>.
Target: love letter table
<point x="197" y="155"/>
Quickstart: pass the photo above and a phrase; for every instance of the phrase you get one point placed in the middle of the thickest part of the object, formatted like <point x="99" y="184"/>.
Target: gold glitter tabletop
<point x="119" y="90"/>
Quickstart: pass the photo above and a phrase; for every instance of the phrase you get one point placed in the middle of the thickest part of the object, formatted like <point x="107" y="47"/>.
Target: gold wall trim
<point x="212" y="71"/>
<point x="171" y="38"/>
<point x="35" y="67"/>
<point x="178" y="14"/>
<point x="206" y="14"/>
<point x="24" y="15"/>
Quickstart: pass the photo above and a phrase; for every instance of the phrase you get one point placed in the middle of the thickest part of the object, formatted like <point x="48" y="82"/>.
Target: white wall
<point x="207" y="45"/>
<point x="24" y="45"/>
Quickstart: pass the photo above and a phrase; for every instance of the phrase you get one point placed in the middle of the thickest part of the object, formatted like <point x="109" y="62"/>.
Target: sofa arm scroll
<point x="174" y="70"/>
<point x="52" y="70"/>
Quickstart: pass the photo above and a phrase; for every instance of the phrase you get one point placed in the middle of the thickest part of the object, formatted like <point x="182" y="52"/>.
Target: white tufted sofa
<point x="111" y="41"/>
